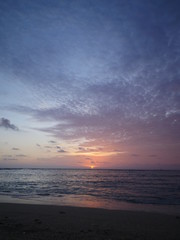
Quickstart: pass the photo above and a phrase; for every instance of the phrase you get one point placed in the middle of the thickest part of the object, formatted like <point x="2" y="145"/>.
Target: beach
<point x="89" y="120"/>
<point x="26" y="221"/>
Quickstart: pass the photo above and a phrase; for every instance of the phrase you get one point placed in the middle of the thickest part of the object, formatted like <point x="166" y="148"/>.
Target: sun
<point x="91" y="167"/>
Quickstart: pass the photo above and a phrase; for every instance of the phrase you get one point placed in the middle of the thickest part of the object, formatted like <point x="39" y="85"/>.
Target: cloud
<point x="61" y="151"/>
<point x="52" y="142"/>
<point x="118" y="90"/>
<point x="9" y="159"/>
<point x="7" y="156"/>
<point x="15" y="149"/>
<point x="21" y="155"/>
<point x="5" y="123"/>
<point x="82" y="149"/>
<point x="38" y="145"/>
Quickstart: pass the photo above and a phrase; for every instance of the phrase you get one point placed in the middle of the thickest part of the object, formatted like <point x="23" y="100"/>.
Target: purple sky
<point x="90" y="83"/>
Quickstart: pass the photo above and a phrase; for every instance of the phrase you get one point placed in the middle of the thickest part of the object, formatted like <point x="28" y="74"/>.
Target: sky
<point x="92" y="83"/>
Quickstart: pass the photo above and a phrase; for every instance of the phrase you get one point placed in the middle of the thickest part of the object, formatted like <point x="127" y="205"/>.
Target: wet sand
<point x="24" y="221"/>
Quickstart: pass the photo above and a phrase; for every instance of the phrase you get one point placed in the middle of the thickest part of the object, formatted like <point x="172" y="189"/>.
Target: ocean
<point x="113" y="189"/>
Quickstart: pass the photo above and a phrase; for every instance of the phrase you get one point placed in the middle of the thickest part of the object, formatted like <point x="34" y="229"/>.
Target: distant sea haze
<point x="63" y="186"/>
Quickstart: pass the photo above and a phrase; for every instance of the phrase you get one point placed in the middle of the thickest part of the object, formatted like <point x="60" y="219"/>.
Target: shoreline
<point x="31" y="221"/>
<point x="91" y="202"/>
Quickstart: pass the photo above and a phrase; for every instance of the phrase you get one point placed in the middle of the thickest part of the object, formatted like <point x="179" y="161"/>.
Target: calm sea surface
<point x="92" y="188"/>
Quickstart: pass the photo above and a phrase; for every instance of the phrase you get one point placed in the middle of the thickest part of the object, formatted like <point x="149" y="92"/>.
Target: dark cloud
<point x="52" y="142"/>
<point x="47" y="147"/>
<point x="15" y="149"/>
<point x="38" y="145"/>
<point x="61" y="151"/>
<point x="5" y="123"/>
<point x="81" y="149"/>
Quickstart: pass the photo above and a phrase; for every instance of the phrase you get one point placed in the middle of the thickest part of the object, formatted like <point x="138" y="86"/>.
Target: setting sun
<point x="92" y="167"/>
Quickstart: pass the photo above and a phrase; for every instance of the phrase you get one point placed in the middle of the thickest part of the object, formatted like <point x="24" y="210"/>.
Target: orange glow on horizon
<point x="98" y="154"/>
<point x="91" y="167"/>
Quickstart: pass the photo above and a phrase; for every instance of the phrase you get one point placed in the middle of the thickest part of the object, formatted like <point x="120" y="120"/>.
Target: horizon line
<point x="114" y="169"/>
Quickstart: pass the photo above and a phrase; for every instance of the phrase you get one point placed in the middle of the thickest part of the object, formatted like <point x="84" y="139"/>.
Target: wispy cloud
<point x="21" y="155"/>
<point x="112" y="89"/>
<point x="15" y="149"/>
<point x="9" y="159"/>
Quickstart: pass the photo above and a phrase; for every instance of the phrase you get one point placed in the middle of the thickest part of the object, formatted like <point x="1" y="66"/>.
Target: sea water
<point x="114" y="189"/>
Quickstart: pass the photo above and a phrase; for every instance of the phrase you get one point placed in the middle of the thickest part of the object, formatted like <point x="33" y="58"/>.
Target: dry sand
<point x="23" y="221"/>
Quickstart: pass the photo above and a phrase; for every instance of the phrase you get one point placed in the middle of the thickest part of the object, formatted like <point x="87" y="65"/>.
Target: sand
<point x="23" y="221"/>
